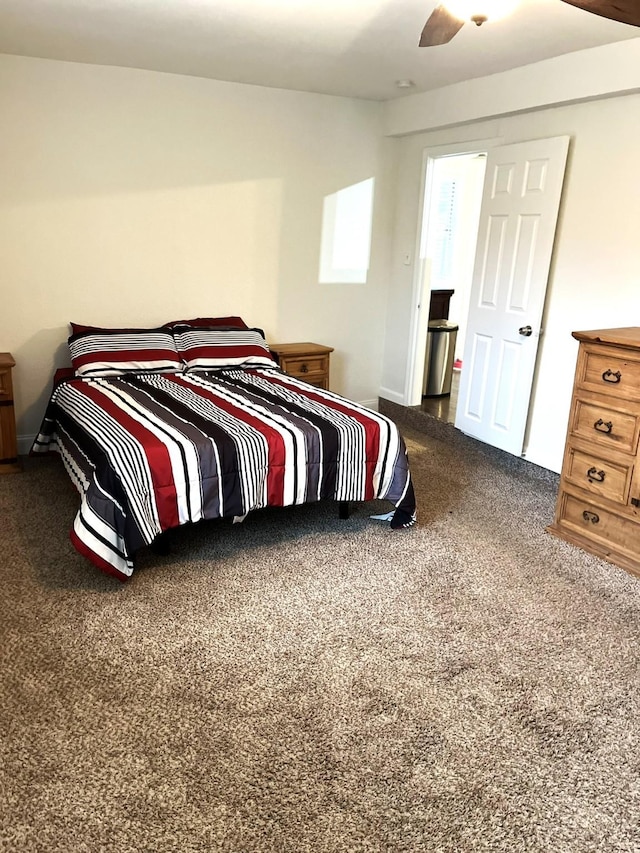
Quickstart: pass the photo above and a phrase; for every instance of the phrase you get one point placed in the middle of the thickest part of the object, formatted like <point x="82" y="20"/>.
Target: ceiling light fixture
<point x="480" y="11"/>
<point x="405" y="84"/>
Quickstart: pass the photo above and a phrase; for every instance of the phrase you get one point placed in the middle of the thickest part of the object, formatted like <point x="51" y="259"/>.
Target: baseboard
<point x="369" y="404"/>
<point x="25" y="443"/>
<point x="393" y="396"/>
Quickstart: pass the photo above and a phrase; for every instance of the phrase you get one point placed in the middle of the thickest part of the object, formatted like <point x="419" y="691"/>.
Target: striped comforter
<point x="149" y="452"/>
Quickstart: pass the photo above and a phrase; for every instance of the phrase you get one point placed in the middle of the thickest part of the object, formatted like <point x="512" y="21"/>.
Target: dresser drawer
<point x="605" y="426"/>
<point x="607" y="529"/>
<point x="605" y="370"/>
<point x="606" y="478"/>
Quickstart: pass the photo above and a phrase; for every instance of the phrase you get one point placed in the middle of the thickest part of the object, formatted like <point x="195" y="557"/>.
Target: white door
<point x="521" y="197"/>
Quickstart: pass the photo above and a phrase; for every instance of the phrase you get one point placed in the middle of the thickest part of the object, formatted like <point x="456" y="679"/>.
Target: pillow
<point x="205" y="349"/>
<point x="76" y="328"/>
<point x="208" y="323"/>
<point x="113" y="352"/>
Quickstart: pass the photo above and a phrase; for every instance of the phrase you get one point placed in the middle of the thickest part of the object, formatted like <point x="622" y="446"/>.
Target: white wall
<point x="130" y="197"/>
<point x="595" y="275"/>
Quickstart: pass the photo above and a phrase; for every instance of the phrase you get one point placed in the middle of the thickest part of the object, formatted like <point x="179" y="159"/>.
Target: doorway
<point x="449" y="231"/>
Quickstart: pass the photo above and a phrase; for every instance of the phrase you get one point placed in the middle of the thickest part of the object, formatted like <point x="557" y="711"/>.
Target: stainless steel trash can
<point x="439" y="355"/>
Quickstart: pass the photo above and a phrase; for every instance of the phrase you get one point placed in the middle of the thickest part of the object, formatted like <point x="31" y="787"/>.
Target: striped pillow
<point x="113" y="353"/>
<point x="205" y="349"/>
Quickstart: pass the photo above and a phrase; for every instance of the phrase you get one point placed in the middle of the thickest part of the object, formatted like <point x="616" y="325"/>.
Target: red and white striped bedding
<point x="149" y="452"/>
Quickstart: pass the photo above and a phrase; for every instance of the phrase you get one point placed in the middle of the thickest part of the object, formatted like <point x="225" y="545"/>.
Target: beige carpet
<point x="301" y="684"/>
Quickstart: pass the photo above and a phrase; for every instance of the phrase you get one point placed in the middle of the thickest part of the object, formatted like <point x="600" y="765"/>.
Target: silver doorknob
<point x="525" y="331"/>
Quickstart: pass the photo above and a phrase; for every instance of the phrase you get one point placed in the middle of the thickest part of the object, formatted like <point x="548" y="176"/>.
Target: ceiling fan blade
<point x="625" y="11"/>
<point x="440" y="28"/>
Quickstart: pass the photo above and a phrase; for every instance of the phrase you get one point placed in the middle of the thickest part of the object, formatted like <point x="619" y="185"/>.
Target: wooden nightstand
<point x="8" y="445"/>
<point x="304" y="361"/>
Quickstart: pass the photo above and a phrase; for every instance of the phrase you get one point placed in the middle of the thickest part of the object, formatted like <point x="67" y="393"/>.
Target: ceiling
<point x="356" y="48"/>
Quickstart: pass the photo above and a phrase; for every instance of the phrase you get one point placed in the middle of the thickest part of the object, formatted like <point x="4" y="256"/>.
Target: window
<point x="442" y="231"/>
<point x="346" y="234"/>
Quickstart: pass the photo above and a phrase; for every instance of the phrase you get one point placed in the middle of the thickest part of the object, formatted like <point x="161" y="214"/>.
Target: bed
<point x="195" y="420"/>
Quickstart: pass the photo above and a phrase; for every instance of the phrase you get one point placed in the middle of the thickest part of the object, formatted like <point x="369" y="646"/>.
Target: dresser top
<point x="628" y="337"/>
<point x="6" y="360"/>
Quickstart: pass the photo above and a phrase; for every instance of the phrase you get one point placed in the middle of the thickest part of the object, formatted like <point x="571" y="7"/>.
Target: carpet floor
<point x="302" y="684"/>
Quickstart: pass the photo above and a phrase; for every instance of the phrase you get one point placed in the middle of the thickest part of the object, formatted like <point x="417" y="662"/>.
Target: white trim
<point x="25" y="442"/>
<point x="418" y="330"/>
<point x="392" y="396"/>
<point x="369" y="404"/>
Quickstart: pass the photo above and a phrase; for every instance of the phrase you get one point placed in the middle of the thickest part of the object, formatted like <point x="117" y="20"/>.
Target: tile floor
<point x="443" y="408"/>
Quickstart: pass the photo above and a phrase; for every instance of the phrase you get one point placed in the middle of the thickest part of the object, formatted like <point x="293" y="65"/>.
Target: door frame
<point x="421" y="278"/>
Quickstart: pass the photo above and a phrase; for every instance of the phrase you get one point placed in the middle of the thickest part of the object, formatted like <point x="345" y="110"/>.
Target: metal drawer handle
<point x="611" y="377"/>
<point x="304" y="368"/>
<point x="601" y="426"/>
<point x="595" y="476"/>
<point x="593" y="517"/>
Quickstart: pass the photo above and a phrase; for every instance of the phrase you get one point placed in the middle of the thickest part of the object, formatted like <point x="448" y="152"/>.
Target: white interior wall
<point x="594" y="280"/>
<point x="131" y="198"/>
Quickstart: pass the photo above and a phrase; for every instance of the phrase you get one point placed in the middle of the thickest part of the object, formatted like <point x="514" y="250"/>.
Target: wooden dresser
<point x="305" y="361"/>
<point x="8" y="444"/>
<point x="598" y="505"/>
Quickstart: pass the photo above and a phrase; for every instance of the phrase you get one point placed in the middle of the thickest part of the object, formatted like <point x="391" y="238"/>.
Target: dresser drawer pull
<point x="593" y="517"/>
<point x="611" y="377"/>
<point x="304" y="368"/>
<point x="595" y="476"/>
<point x="601" y="426"/>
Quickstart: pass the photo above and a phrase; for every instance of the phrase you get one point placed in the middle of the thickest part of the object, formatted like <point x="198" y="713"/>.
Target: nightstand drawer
<point x="607" y="478"/>
<point x="6" y="390"/>
<point x="305" y="367"/>
<point x="8" y="443"/>
<point x="604" y="426"/>
<point x="307" y="361"/>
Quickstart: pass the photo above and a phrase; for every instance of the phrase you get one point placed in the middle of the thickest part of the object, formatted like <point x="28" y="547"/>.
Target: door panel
<point x="494" y="250"/>
<point x="508" y="368"/>
<point x="520" y="284"/>
<point x="522" y="191"/>
<point x="478" y="371"/>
